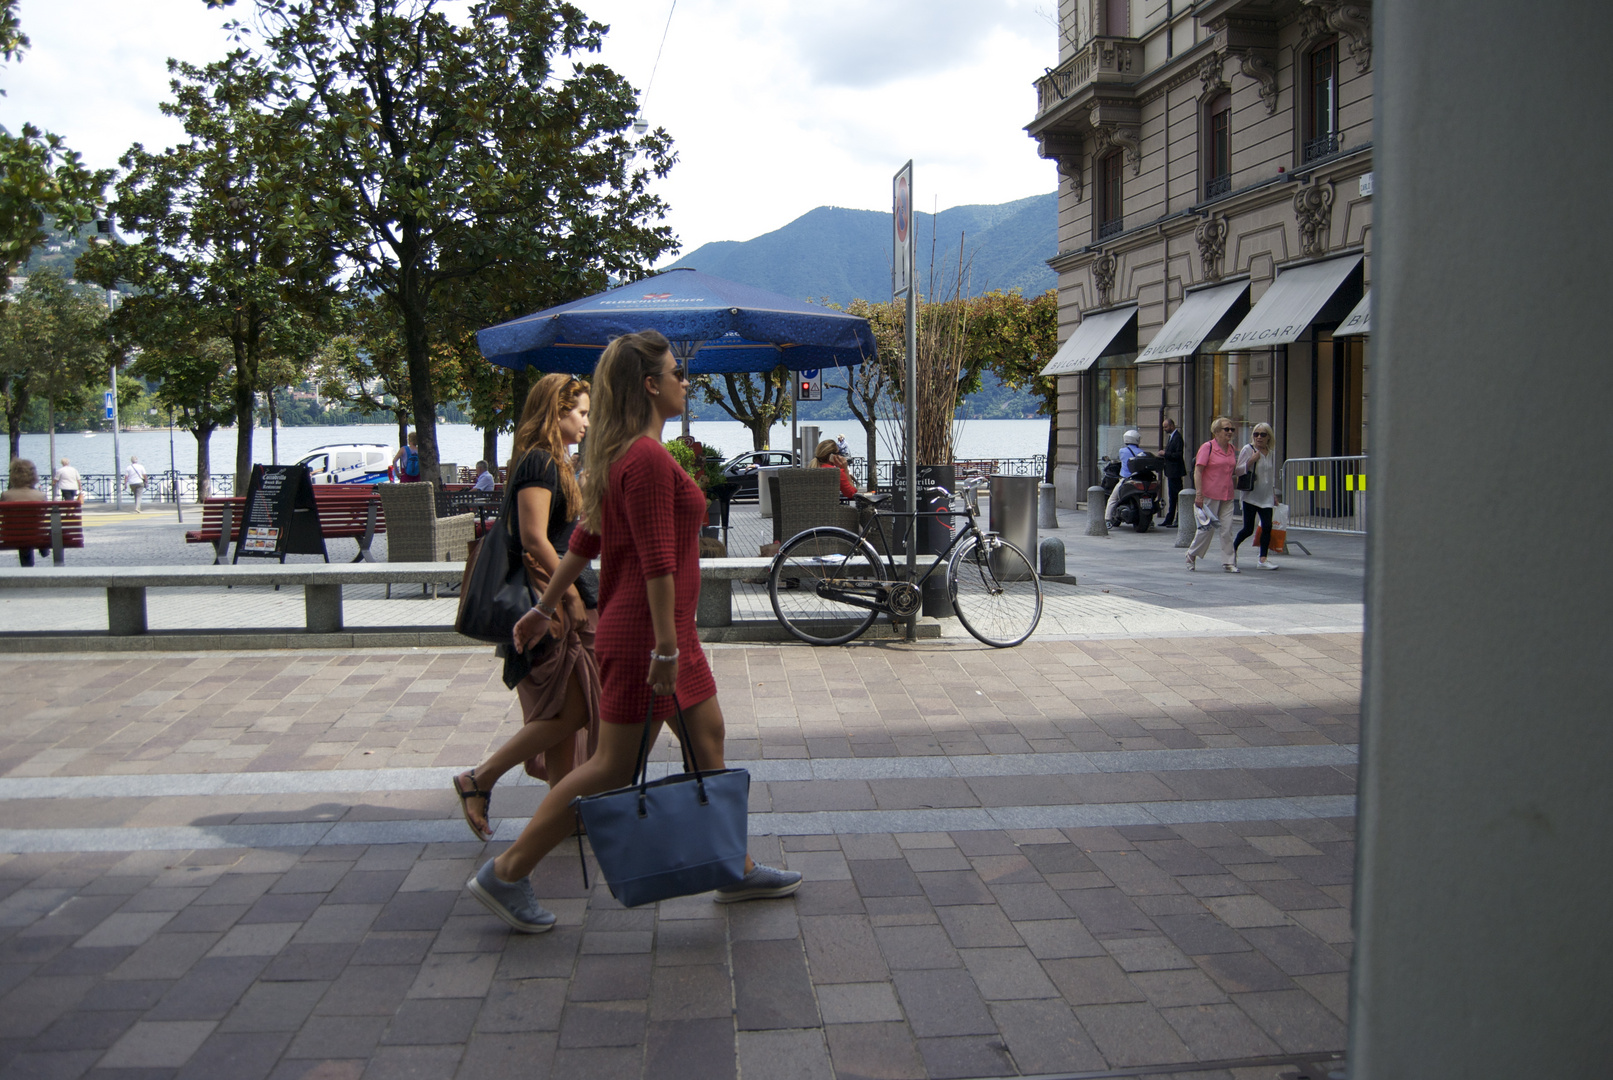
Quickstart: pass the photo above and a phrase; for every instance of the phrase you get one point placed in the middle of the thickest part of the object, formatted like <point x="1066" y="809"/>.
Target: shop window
<point x="1224" y="391"/>
<point x="1110" y="195"/>
<point x="1116" y="401"/>
<point x="1322" y="103"/>
<point x="1218" y="146"/>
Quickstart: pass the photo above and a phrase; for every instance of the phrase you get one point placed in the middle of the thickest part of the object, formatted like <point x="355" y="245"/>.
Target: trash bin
<point x="1014" y="502"/>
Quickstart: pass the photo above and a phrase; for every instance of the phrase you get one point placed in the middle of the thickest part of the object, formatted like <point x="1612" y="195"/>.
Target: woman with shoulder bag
<point x="642" y="514"/>
<point x="1213" y="469"/>
<point x="560" y="694"/>
<point x="1257" y="483"/>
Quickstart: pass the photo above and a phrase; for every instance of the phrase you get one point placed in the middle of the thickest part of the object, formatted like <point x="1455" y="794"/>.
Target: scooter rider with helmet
<point x="1128" y="450"/>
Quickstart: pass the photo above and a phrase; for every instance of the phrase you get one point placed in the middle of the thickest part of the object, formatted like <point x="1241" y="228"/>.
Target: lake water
<point x="462" y="443"/>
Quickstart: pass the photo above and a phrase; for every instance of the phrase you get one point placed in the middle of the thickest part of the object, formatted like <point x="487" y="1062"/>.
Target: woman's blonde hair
<point x="1215" y="425"/>
<point x="550" y="398"/>
<point x="23" y="473"/>
<point x="827" y="449"/>
<point x="1261" y="428"/>
<point x="620" y="411"/>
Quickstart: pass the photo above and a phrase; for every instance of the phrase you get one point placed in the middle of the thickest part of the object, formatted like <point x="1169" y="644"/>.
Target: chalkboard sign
<point x="280" y="517"/>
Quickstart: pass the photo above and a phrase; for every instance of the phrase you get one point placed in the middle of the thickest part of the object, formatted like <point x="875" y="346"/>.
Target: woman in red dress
<point x="642" y="514"/>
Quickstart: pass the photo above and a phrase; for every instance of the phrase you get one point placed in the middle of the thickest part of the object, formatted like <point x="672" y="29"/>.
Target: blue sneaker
<point x="762" y="883"/>
<point x="512" y="901"/>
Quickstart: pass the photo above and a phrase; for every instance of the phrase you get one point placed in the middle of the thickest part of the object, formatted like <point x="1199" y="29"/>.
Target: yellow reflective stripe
<point x="1349" y="481"/>
<point x="1362" y="485"/>
<point x="1323" y="481"/>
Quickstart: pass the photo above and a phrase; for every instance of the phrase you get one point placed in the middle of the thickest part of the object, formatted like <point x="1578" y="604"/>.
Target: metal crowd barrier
<point x="1023" y="466"/>
<point x="1328" y="494"/>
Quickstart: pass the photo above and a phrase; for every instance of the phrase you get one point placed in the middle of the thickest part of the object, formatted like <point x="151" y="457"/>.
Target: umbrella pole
<point x="684" y="351"/>
<point x="795" y="406"/>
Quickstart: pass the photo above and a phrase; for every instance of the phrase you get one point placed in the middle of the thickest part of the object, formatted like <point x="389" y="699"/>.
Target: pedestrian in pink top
<point x="1213" y="469"/>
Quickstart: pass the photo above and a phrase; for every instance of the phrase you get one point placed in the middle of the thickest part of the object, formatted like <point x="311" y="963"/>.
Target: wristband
<point x="656" y="657"/>
<point x="549" y="611"/>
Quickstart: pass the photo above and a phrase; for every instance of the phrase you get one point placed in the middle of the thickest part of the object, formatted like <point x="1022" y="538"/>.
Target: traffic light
<point x="809" y="386"/>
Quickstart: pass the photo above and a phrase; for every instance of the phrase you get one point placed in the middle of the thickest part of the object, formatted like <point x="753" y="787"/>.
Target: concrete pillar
<point x="716" y="603"/>
<point x="1047" y="507"/>
<point x="1097" y="501"/>
<point x="1186" y="523"/>
<point x="322" y="605"/>
<point x="1484" y="888"/>
<point x="125" y="611"/>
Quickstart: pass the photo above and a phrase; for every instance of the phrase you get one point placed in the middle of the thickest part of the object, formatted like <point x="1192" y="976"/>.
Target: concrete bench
<point x="717" y="577"/>
<point x="322" y="585"/>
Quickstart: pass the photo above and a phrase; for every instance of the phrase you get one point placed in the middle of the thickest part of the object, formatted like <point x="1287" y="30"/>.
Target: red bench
<point x="345" y="511"/>
<point x="49" y="525"/>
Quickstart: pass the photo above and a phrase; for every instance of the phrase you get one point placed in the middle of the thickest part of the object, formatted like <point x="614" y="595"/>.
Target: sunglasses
<point x="676" y="372"/>
<point x="1262" y="434"/>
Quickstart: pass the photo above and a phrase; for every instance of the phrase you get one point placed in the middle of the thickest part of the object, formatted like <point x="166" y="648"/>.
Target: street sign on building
<point x="809" y="384"/>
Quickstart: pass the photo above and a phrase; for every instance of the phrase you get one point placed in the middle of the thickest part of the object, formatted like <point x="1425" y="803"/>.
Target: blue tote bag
<point x="677" y="836"/>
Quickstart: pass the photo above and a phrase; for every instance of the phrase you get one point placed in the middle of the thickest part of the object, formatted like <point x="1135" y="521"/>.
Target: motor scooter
<point x="1139" y="492"/>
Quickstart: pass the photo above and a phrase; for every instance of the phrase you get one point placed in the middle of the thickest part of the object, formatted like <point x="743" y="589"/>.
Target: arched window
<point x="1109" y="208"/>
<point x="1322" y="102"/>
<point x="1218" y="146"/>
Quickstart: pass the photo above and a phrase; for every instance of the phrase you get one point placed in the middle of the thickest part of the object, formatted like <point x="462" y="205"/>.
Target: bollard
<point x="1047" y="511"/>
<point x="1097" y="503"/>
<point x="1186" y="523"/>
<point x="1050" y="557"/>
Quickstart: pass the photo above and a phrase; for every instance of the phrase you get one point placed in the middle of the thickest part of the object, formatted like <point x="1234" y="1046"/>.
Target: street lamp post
<point x="173" y="470"/>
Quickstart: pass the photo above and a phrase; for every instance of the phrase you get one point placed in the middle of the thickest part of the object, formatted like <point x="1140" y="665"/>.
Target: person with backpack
<point x="406" y="462"/>
<point x="135" y="477"/>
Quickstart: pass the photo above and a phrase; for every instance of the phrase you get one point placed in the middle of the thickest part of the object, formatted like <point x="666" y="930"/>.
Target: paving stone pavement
<point x="250" y="865"/>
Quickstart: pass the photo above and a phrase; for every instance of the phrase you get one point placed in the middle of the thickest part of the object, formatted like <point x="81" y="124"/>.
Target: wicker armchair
<point x="414" y="532"/>
<point x="807" y="498"/>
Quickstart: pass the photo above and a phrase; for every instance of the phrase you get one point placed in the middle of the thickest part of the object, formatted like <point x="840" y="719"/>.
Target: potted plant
<point x="704" y="466"/>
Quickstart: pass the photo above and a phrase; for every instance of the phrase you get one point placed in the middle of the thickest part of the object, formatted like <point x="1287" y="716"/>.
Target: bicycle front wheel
<point x="995" y="590"/>
<point x="826" y="585"/>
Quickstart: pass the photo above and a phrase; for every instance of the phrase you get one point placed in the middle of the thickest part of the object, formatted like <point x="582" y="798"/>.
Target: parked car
<point x="741" y="470"/>
<point x="350" y="463"/>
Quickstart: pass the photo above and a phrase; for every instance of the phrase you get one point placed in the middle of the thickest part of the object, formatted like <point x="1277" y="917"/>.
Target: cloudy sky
<point x="775" y="107"/>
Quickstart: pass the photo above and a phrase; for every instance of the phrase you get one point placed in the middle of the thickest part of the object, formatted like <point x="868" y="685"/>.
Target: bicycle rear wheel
<point x="816" y="576"/>
<point x="995" y="590"/>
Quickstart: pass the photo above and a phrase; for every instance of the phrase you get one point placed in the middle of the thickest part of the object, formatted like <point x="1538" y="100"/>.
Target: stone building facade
<point x="1215" y="213"/>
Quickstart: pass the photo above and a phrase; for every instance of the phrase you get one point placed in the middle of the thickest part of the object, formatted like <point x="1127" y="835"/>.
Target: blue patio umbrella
<point x="714" y="325"/>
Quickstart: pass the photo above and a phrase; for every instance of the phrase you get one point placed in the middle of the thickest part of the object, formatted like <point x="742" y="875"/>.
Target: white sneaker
<point x="1264" y="565"/>
<point x="1231" y="568"/>
<point x="1190" y="561"/>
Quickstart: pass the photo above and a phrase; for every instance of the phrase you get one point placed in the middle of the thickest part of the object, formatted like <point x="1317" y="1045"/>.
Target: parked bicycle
<point x="829" y="584"/>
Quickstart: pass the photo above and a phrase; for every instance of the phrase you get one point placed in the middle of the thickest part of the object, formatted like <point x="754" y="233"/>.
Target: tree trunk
<point x="490" y="446"/>
<point x="520" y="387"/>
<point x="402" y="417"/>
<point x="204" y="462"/>
<point x="14" y="415"/>
<point x="411" y="299"/>
<point x="274" y="428"/>
<point x="246" y="377"/>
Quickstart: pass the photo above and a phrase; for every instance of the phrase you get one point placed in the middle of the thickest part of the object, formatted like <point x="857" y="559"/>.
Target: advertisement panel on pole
<point x="902" y="231"/>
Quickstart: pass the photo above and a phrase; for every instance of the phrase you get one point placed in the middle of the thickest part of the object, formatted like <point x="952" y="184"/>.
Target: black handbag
<point x="1246" y="480"/>
<point x="677" y="836"/>
<point x="495" y="592"/>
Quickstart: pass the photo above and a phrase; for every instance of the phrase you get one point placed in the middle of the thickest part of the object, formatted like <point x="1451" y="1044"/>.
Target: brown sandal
<point x="475" y="792"/>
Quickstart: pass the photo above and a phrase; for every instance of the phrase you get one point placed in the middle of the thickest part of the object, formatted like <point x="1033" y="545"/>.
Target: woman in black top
<point x="560" y="695"/>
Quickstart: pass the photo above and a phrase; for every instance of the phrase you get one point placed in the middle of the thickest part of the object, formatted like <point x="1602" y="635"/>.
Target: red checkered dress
<point x="651" y="526"/>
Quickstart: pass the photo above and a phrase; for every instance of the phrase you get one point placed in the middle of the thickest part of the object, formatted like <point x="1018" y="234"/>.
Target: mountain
<point x="846" y="254"/>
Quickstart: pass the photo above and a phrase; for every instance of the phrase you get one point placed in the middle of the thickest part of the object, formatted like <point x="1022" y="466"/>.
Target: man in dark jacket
<point x="1175" y="469"/>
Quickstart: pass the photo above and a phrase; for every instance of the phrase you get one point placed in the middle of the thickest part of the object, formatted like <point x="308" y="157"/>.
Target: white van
<point x="350" y="463"/>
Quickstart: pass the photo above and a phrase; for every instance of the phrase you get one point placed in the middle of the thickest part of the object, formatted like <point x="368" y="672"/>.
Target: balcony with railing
<point x="1101" y="60"/>
<point x="1217" y="186"/>
<point x="1113" y="227"/>
<point x="1323" y="146"/>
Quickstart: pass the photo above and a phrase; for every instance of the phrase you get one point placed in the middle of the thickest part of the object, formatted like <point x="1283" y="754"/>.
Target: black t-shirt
<point x="538" y="469"/>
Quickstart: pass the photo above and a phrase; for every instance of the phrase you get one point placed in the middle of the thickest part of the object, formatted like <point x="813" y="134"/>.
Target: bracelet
<point x="549" y="611"/>
<point x="657" y="658"/>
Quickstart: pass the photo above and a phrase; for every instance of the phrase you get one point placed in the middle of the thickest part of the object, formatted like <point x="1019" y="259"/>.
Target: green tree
<point x="52" y="344"/>
<point x="1015" y="337"/>
<point x="756" y="400"/>
<point x="232" y="243"/>
<point x="458" y="146"/>
<point x="194" y="377"/>
<point x="42" y="182"/>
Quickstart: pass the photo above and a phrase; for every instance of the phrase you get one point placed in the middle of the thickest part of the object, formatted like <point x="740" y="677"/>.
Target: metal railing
<point x="1328" y="494"/>
<point x="1020" y="466"/>
<point x="1217" y="185"/>
<point x="103" y="487"/>
<point x="1107" y="229"/>
<point x="1318" y="148"/>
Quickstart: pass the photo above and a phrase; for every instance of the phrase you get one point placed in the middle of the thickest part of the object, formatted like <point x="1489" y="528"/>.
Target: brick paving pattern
<point x="925" y="953"/>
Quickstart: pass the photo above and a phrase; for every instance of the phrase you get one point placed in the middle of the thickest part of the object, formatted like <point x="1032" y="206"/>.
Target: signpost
<point x="811" y="388"/>
<point x="280" y="517"/>
<point x="902" y="285"/>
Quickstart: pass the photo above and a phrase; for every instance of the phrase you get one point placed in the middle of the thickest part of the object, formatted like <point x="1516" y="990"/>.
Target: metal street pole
<point x="173" y="470"/>
<point x="902" y="250"/>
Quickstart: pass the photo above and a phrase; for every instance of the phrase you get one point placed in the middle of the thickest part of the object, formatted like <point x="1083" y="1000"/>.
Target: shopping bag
<point x="677" y="836"/>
